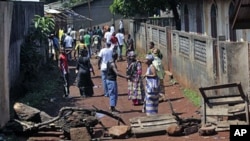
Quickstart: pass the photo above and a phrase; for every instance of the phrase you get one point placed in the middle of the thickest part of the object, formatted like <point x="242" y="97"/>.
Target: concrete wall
<point x="196" y="60"/>
<point x="233" y="63"/>
<point x="5" y="27"/>
<point x="192" y="59"/>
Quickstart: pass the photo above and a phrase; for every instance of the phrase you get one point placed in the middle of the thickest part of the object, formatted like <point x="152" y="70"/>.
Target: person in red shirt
<point x="114" y="42"/>
<point x="63" y="66"/>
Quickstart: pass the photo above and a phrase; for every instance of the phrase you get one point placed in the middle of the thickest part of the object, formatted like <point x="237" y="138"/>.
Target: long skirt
<point x="136" y="92"/>
<point x="151" y="103"/>
<point x="85" y="84"/>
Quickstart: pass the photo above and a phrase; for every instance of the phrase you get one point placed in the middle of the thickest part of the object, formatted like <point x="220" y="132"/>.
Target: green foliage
<point x="193" y="96"/>
<point x="30" y="57"/>
<point x="130" y="8"/>
<point x="30" y="60"/>
<point x="44" y="26"/>
<point x="146" y="8"/>
<point x="41" y="91"/>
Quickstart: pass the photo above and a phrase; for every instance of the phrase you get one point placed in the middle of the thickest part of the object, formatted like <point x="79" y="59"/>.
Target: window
<point x="232" y="32"/>
<point x="186" y="19"/>
<point x="198" y="17"/>
<point x="213" y="21"/>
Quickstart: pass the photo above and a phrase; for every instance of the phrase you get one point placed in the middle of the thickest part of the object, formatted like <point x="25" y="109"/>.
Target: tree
<point x="145" y="8"/>
<point x="37" y="36"/>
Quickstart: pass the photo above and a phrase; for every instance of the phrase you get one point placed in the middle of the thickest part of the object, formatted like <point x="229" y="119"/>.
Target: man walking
<point x="87" y="42"/>
<point x="68" y="41"/>
<point x="104" y="56"/>
<point x="121" y="27"/>
<point x="121" y="41"/>
<point x="112" y="74"/>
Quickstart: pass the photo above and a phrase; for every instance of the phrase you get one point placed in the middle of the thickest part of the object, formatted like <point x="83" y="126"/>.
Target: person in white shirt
<point x="104" y="55"/>
<point x="107" y="37"/>
<point x="73" y="35"/>
<point x="121" y="41"/>
<point x="81" y="33"/>
<point x="68" y="41"/>
<point x="69" y="29"/>
<point x="121" y="26"/>
<point x="112" y="28"/>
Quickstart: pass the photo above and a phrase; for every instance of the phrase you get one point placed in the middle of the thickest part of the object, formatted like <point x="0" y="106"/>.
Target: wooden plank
<point x="226" y="100"/>
<point x="236" y="108"/>
<point x="211" y="119"/>
<point x="224" y="96"/>
<point x="217" y="111"/>
<point x="152" y="124"/>
<point x="151" y="118"/>
<point x="139" y="122"/>
<point x="237" y="122"/>
<point x="221" y="129"/>
<point x="224" y="124"/>
<point x="247" y="111"/>
<point x="220" y="86"/>
<point x="150" y="130"/>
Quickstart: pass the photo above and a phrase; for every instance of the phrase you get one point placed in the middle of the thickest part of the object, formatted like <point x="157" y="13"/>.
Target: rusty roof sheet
<point x="241" y="18"/>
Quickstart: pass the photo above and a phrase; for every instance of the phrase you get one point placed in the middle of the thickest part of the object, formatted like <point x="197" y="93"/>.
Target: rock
<point x="79" y="134"/>
<point x="119" y="131"/>
<point x="207" y="130"/>
<point x="174" y="130"/>
<point x="44" y="116"/>
<point x="27" y="113"/>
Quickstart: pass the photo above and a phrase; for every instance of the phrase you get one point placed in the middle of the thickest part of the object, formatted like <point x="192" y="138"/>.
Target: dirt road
<point x="181" y="105"/>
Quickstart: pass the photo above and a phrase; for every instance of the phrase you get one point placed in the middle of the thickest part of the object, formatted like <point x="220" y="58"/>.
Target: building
<point x="214" y="18"/>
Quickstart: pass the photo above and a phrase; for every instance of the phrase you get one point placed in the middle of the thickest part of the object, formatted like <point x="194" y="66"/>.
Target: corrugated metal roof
<point x="56" y="9"/>
<point x="241" y="18"/>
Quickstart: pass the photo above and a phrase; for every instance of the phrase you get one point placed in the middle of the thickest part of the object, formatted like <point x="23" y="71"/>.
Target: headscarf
<point x="150" y="57"/>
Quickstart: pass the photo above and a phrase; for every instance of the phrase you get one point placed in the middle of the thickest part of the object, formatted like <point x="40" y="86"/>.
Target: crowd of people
<point x="144" y="87"/>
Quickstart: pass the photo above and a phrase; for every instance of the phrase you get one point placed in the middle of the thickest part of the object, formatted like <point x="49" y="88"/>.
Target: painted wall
<point x="5" y="27"/>
<point x="19" y="28"/>
<point x="14" y="28"/>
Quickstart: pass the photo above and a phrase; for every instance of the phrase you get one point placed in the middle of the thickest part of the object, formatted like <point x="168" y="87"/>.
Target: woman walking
<point x="83" y="79"/>
<point x="135" y="86"/>
<point x="152" y="88"/>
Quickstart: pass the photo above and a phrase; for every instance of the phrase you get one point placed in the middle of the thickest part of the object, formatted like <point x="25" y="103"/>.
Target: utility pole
<point x="90" y="23"/>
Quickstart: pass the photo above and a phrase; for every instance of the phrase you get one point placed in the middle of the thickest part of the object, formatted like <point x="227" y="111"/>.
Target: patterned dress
<point x="152" y="94"/>
<point x="135" y="85"/>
